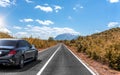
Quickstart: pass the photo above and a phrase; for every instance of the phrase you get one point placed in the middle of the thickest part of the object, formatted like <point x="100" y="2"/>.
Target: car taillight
<point x="12" y="52"/>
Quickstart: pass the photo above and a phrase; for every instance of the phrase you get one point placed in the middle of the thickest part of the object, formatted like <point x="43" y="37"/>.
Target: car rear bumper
<point x="4" y="61"/>
<point x="8" y="60"/>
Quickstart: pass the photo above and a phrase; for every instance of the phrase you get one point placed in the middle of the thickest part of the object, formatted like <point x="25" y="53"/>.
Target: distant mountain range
<point x="66" y="36"/>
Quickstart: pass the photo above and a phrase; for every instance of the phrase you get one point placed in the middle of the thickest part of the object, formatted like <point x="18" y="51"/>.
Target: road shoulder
<point x="93" y="71"/>
<point x="94" y="65"/>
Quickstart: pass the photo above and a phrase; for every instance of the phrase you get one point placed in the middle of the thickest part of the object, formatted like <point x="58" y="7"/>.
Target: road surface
<point x="57" y="60"/>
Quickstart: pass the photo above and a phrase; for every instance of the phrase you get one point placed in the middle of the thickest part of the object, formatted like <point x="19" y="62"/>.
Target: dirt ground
<point x="100" y="68"/>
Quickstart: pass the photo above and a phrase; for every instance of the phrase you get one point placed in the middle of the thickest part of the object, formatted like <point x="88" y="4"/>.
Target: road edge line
<point x="91" y="71"/>
<point x="42" y="69"/>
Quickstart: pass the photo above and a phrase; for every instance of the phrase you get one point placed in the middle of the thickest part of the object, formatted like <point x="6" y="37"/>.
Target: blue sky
<point x="49" y="18"/>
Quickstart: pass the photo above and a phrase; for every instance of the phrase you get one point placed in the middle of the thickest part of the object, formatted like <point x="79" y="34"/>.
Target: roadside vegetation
<point x="103" y="47"/>
<point x="39" y="44"/>
<point x="5" y="35"/>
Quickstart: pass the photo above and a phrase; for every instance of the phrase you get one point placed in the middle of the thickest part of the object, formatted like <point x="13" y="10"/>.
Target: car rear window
<point x="8" y="43"/>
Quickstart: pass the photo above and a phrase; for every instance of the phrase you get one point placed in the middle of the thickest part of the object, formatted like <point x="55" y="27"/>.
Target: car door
<point x="24" y="48"/>
<point x="30" y="51"/>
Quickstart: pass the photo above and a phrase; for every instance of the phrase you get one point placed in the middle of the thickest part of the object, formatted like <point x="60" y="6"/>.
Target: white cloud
<point x="46" y="22"/>
<point x="65" y="30"/>
<point x="2" y="21"/>
<point x="4" y="29"/>
<point x="21" y="34"/>
<point x="113" y="24"/>
<point x="47" y="8"/>
<point x="3" y="25"/>
<point x="29" y="25"/>
<point x="77" y="7"/>
<point x="97" y="31"/>
<point x="69" y="17"/>
<point x="39" y="32"/>
<point x="6" y="3"/>
<point x="29" y="1"/>
<point x="27" y="20"/>
<point x="81" y="7"/>
<point x="44" y="32"/>
<point x="17" y="27"/>
<point x="46" y="4"/>
<point x="57" y="8"/>
<point x="114" y="1"/>
<point x="44" y="8"/>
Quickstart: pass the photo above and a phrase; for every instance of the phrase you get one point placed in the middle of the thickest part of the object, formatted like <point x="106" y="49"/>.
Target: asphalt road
<point x="57" y="60"/>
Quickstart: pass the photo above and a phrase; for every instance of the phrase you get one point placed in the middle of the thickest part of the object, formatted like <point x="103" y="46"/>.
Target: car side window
<point x="24" y="43"/>
<point x="27" y="44"/>
<point x="21" y="44"/>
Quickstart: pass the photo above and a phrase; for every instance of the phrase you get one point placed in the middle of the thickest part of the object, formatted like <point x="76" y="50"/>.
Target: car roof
<point x="12" y="39"/>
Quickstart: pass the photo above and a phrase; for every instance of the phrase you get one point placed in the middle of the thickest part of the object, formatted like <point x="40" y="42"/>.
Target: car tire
<point x="21" y="62"/>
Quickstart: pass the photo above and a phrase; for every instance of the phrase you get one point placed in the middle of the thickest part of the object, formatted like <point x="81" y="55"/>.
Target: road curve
<point x="57" y="60"/>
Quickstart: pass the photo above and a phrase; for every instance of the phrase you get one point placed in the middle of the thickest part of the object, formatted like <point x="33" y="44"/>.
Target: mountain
<point x="66" y="36"/>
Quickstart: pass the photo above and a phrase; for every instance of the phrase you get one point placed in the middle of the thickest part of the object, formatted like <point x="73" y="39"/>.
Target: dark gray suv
<point x="16" y="52"/>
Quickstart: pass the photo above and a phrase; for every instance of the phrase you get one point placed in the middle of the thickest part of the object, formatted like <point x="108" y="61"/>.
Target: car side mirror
<point x="32" y="46"/>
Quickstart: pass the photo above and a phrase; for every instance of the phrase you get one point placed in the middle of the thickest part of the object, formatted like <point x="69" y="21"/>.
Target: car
<point x="17" y="52"/>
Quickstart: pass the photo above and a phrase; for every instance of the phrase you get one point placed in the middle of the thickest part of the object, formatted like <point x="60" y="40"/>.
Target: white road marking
<point x="82" y="62"/>
<point x="42" y="69"/>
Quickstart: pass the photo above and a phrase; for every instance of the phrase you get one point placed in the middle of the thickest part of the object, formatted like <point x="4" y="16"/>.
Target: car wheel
<point x="21" y="62"/>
